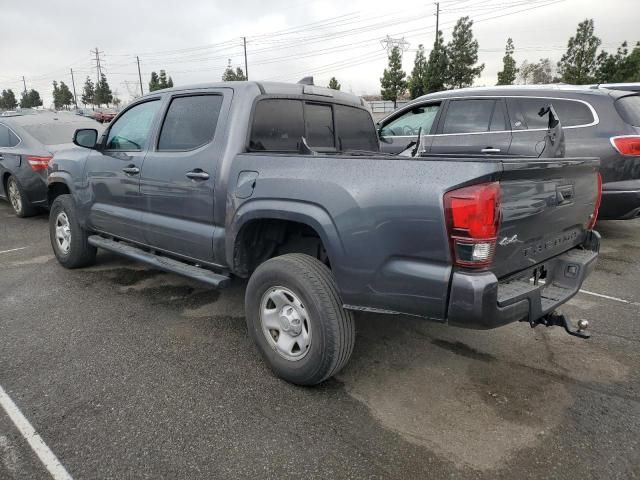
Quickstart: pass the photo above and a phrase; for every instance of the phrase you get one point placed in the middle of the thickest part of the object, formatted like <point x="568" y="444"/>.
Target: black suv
<point x="598" y="122"/>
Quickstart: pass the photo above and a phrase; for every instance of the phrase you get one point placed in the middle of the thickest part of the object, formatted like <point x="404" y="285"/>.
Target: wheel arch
<point x="284" y="214"/>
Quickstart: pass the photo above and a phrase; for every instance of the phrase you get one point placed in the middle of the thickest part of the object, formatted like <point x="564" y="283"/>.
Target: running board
<point x="162" y="263"/>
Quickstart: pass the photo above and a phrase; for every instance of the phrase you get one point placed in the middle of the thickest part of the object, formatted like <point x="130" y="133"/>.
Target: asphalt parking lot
<point x="127" y="372"/>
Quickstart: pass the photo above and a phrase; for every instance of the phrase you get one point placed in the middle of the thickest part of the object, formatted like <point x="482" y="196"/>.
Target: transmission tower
<point x="389" y="44"/>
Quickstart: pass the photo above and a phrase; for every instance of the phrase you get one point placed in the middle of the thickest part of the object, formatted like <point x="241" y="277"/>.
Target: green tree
<point x="578" y="65"/>
<point x="437" y="66"/>
<point x="88" y="93"/>
<point x="393" y="80"/>
<point x="154" y="83"/>
<point x="334" y="84"/>
<point x="623" y="66"/>
<point x="463" y="55"/>
<point x="536" y="73"/>
<point x="163" y="81"/>
<point x="8" y="100"/>
<point x="30" y="99"/>
<point x="57" y="98"/>
<point x="416" y="82"/>
<point x="509" y="71"/>
<point x="62" y="96"/>
<point x="103" y="92"/>
<point x="230" y="75"/>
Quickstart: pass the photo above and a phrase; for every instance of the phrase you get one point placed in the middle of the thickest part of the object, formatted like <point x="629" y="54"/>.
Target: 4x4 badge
<point x="508" y="240"/>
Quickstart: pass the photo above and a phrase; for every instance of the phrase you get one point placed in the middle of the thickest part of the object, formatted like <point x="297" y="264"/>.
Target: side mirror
<point x="380" y="137"/>
<point x="85" y="137"/>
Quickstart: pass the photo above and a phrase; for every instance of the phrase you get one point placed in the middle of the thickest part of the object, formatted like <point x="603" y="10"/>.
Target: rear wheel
<point x="18" y="199"/>
<point x="295" y="316"/>
<point x="69" y="240"/>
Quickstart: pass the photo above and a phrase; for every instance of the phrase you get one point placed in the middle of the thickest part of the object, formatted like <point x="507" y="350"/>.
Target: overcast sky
<point x="286" y="39"/>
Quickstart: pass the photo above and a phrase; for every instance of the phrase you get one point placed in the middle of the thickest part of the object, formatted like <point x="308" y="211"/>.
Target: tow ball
<point x="558" y="319"/>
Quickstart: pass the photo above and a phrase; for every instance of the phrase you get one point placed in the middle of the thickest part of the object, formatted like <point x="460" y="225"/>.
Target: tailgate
<point x="546" y="207"/>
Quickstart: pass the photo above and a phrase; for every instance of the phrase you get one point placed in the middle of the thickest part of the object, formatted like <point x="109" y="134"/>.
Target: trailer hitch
<point x="558" y="319"/>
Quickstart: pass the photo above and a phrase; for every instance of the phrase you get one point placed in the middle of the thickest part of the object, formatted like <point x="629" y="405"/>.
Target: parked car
<point x="27" y="144"/>
<point x="104" y="116"/>
<point x="284" y="184"/>
<point x="597" y="122"/>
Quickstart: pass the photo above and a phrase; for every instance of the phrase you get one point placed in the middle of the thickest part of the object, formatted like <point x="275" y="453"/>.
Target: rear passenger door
<point x="9" y="159"/>
<point x="473" y="126"/>
<point x="178" y="176"/>
<point x="530" y="129"/>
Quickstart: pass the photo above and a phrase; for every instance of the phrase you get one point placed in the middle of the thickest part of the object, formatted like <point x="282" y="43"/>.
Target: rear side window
<point x="629" y="109"/>
<point x="524" y="113"/>
<point x="410" y="122"/>
<point x="190" y="122"/>
<point x="278" y="125"/>
<point x="355" y="129"/>
<point x="7" y="138"/>
<point x="468" y="116"/>
<point x="318" y="121"/>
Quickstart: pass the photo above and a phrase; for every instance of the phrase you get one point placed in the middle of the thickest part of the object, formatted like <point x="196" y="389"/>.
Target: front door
<point x="113" y="173"/>
<point x="473" y="126"/>
<point x="178" y="177"/>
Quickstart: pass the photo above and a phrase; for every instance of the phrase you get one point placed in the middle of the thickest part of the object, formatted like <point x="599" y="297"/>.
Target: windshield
<point x="52" y="133"/>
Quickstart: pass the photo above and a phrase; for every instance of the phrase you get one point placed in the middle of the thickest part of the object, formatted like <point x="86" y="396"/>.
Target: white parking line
<point x="46" y="456"/>
<point x="13" y="250"/>
<point x="608" y="297"/>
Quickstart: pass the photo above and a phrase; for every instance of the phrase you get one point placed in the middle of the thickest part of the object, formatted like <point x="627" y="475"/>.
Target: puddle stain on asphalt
<point x="32" y="261"/>
<point x="471" y="407"/>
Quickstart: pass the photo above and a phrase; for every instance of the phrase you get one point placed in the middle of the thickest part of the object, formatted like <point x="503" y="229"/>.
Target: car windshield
<point x="52" y="133"/>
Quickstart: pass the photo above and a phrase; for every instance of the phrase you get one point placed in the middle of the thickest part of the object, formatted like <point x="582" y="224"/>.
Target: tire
<point x="298" y="292"/>
<point x="76" y="251"/>
<point x="18" y="199"/>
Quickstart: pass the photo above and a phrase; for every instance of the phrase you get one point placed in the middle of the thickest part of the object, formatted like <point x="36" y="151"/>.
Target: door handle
<point x="197" y="174"/>
<point x="131" y="170"/>
<point x="490" y="150"/>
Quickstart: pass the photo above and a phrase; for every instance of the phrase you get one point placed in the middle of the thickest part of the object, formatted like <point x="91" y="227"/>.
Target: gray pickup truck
<point x="284" y="184"/>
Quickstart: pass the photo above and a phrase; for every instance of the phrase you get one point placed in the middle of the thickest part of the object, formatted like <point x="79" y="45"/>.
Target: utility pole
<point x="437" y="19"/>
<point x="139" y="75"/>
<point x="98" y="68"/>
<point x="25" y="85"/>
<point x="73" y="82"/>
<point x="246" y="67"/>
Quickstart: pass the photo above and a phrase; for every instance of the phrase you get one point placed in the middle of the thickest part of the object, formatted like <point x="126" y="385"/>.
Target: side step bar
<point x="162" y="263"/>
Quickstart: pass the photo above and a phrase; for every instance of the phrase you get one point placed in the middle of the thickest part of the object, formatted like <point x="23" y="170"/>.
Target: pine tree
<point x="103" y="92"/>
<point x="88" y="93"/>
<point x="170" y="82"/>
<point x="416" y="82"/>
<point x="230" y="75"/>
<point x="578" y="64"/>
<point x="66" y="97"/>
<point x="30" y="99"/>
<point x="437" y="66"/>
<point x="463" y="55"/>
<point x="509" y="71"/>
<point x="393" y="80"/>
<point x="154" y="83"/>
<point x="334" y="84"/>
<point x="622" y="67"/>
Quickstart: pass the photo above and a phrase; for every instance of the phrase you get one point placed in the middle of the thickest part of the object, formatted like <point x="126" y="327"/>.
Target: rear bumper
<point x="481" y="301"/>
<point x="620" y="200"/>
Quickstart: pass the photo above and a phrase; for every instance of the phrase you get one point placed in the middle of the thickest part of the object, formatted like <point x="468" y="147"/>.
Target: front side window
<point x="131" y="131"/>
<point x="278" y="125"/>
<point x="468" y="116"/>
<point x="524" y="113"/>
<point x="190" y="122"/>
<point x="410" y="122"/>
<point x="7" y="138"/>
<point x="355" y="129"/>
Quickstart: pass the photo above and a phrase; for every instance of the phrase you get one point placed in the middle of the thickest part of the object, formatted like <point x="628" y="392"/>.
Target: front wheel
<point x="295" y="316"/>
<point x="69" y="240"/>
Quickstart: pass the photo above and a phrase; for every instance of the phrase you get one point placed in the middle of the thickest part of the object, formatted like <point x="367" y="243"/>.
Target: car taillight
<point x="594" y="216"/>
<point x="473" y="218"/>
<point x="627" y="145"/>
<point x="38" y="163"/>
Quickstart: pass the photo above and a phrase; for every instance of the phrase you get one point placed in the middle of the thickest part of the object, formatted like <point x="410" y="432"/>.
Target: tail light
<point x="627" y="145"/>
<point x="473" y="216"/>
<point x="594" y="216"/>
<point x="38" y="163"/>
